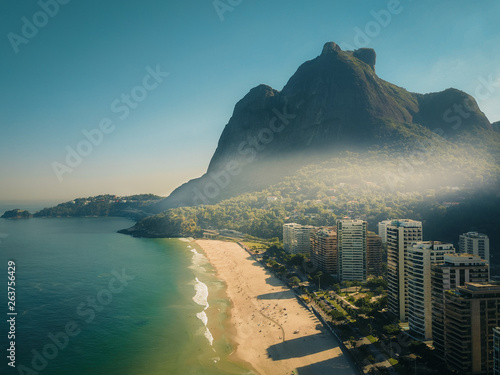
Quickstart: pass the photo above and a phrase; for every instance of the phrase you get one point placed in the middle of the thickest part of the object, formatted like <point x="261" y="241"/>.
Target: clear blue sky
<point x="64" y="79"/>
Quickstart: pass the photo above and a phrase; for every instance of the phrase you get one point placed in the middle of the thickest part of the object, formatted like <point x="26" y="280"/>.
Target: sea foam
<point x="201" y="298"/>
<point x="204" y="318"/>
<point x="198" y="260"/>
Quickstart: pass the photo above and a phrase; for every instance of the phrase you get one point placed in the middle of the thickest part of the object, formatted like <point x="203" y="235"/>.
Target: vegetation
<point x="17" y="214"/>
<point x="255" y="246"/>
<point x="452" y="189"/>
<point x="371" y="186"/>
<point x="393" y="361"/>
<point x="392" y="329"/>
<point x="136" y="206"/>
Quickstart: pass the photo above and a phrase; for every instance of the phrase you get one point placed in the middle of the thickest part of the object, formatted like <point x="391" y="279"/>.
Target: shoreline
<point x="272" y="331"/>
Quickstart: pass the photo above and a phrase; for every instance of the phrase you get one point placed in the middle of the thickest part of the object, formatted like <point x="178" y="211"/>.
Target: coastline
<point x="272" y="331"/>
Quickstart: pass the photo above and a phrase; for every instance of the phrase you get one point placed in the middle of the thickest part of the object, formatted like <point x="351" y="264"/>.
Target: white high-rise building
<point x="297" y="238"/>
<point x="288" y="236"/>
<point x="351" y="247"/>
<point x="382" y="229"/>
<point x="475" y="243"/>
<point x="421" y="256"/>
<point x="400" y="234"/>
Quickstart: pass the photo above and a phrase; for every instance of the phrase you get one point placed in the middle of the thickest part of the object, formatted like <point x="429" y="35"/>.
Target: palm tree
<point x="356" y="284"/>
<point x="318" y="275"/>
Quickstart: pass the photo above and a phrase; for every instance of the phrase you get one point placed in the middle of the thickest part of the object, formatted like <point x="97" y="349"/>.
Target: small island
<point x="17" y="214"/>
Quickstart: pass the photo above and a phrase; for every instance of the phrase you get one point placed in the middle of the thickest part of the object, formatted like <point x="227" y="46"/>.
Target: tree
<point x="281" y="269"/>
<point x="296" y="260"/>
<point x="391" y="329"/>
<point x="370" y="329"/>
<point x="352" y="342"/>
<point x="419" y="348"/>
<point x="336" y="315"/>
<point x="272" y="263"/>
<point x="347" y="284"/>
<point x="318" y="276"/>
<point x="358" y="284"/>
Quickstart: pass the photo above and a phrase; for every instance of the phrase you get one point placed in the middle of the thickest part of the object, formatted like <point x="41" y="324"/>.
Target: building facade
<point x="351" y="242"/>
<point x="400" y="234"/>
<point x="456" y="270"/>
<point x="324" y="250"/>
<point x="297" y="238"/>
<point x="373" y="254"/>
<point x="382" y="229"/>
<point x="496" y="351"/>
<point x="471" y="312"/>
<point x="421" y="256"/>
<point x="475" y="243"/>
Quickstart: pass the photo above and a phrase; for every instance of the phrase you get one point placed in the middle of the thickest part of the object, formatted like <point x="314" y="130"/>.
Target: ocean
<point x="92" y="301"/>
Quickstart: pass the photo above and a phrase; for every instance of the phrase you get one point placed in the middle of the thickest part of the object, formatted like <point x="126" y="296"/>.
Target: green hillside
<point x="451" y="190"/>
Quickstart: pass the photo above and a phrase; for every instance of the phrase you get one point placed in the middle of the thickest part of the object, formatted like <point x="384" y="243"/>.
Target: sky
<point x="127" y="97"/>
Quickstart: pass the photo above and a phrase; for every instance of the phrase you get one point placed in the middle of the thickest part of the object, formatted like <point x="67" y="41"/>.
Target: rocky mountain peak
<point x="331" y="47"/>
<point x="333" y="103"/>
<point x="367" y="55"/>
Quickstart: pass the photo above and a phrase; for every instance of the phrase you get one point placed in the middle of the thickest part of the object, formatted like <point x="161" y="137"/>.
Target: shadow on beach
<point x="273" y="280"/>
<point x="286" y="294"/>
<point x="335" y="366"/>
<point x="300" y="347"/>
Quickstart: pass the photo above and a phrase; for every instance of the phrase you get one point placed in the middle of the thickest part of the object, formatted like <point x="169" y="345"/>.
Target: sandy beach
<point x="273" y="331"/>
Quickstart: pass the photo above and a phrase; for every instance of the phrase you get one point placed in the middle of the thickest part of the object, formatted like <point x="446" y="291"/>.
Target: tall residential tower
<point x="351" y="242"/>
<point x="455" y="271"/>
<point x="471" y="313"/>
<point x="421" y="256"/>
<point x="297" y="238"/>
<point x="400" y="234"/>
<point x="475" y="243"/>
<point x="373" y="254"/>
<point x="324" y="250"/>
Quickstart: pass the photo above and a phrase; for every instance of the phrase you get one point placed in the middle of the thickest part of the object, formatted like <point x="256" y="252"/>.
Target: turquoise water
<point x="92" y="301"/>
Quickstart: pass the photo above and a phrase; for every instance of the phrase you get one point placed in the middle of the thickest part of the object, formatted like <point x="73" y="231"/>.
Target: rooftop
<point x="432" y="245"/>
<point x="481" y="286"/>
<point x="463" y="259"/>
<point x="475" y="235"/>
<point x="406" y="223"/>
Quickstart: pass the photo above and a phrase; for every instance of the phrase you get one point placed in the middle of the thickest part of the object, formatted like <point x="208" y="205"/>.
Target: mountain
<point x="333" y="103"/>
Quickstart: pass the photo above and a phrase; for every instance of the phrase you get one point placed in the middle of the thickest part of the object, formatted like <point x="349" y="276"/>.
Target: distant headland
<point x="17" y="214"/>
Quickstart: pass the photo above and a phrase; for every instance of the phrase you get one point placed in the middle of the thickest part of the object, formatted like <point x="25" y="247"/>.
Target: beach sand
<point x="273" y="331"/>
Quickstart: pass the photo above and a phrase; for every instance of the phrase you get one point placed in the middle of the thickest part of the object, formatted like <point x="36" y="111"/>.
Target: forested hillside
<point x="450" y="190"/>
